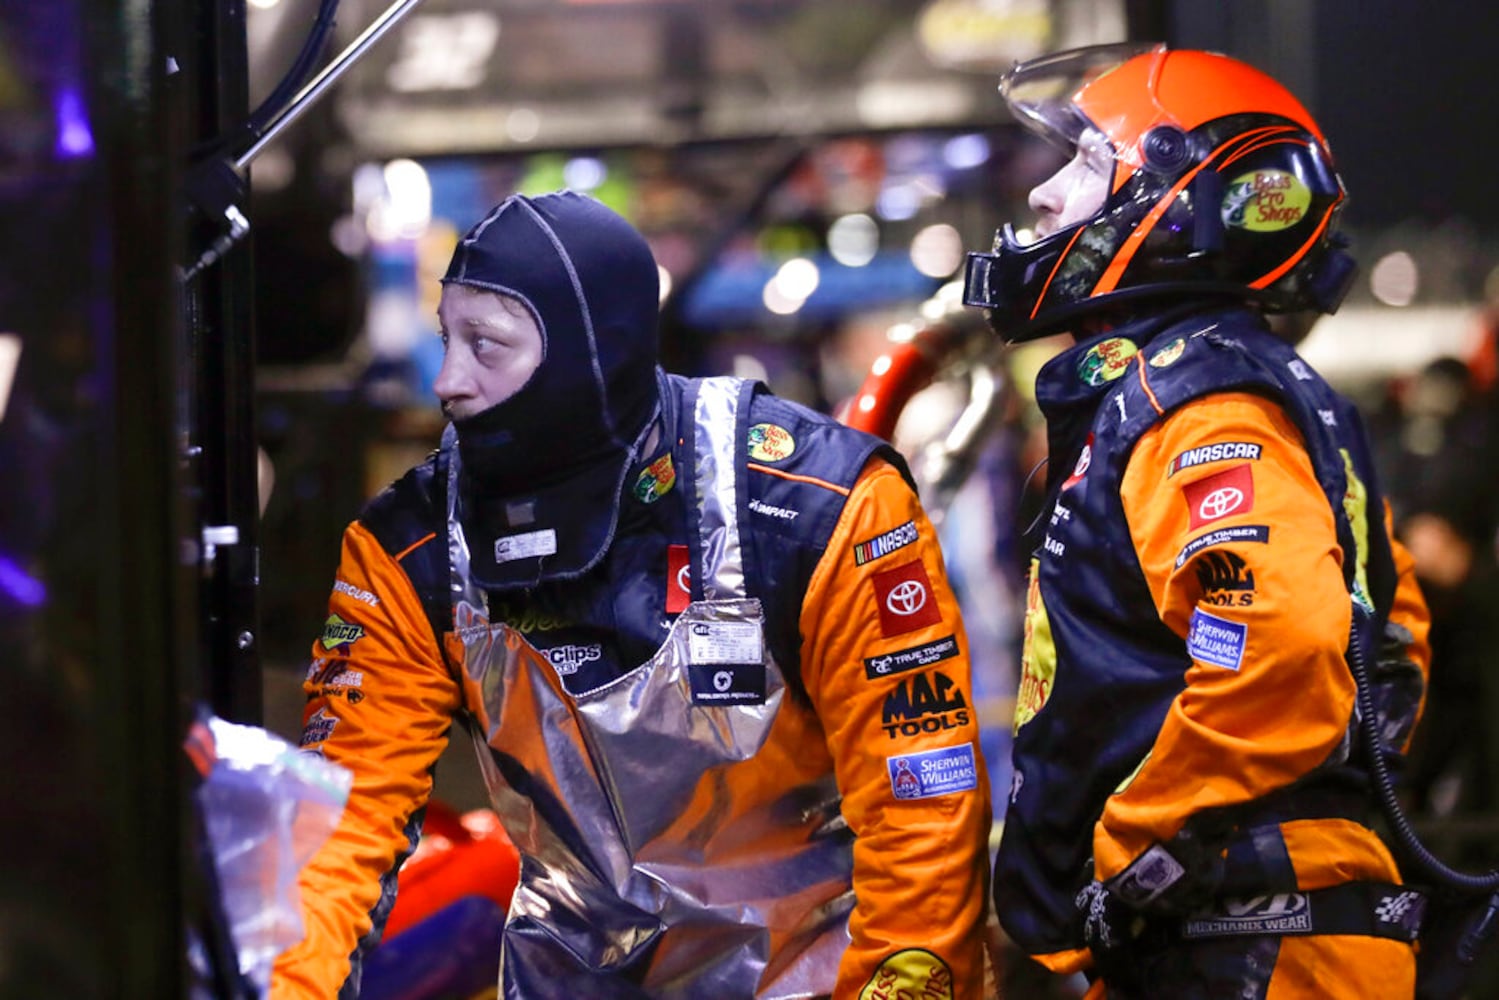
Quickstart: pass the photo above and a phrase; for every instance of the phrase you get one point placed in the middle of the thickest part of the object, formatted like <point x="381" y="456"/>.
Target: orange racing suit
<point x="1188" y="805"/>
<point x="699" y="813"/>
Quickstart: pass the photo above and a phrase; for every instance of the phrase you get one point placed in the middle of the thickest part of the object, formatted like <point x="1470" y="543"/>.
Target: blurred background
<point x="217" y="322"/>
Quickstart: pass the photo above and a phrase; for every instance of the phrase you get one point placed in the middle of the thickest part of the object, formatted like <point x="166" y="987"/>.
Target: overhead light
<point x="1394" y="279"/>
<point x="937" y="250"/>
<point x="444" y="51"/>
<point x="853" y="240"/>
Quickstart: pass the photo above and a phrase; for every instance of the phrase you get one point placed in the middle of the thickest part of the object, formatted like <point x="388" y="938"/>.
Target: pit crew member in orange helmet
<point x="1190" y="813"/>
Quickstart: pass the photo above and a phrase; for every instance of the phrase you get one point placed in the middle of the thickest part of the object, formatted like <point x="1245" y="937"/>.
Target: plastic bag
<point x="266" y="808"/>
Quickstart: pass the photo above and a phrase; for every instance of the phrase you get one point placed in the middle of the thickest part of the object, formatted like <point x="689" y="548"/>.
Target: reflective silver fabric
<point x="671" y="847"/>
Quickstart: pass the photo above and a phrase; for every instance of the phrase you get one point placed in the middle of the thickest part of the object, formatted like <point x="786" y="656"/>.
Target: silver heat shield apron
<point x="670" y="846"/>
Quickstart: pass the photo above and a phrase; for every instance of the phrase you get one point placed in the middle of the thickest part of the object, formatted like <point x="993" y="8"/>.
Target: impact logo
<point x="338" y="633"/>
<point x="567" y="659"/>
<point x="1265" y="201"/>
<point x="1225" y="578"/>
<point x="1106" y="360"/>
<point x="927" y="703"/>
<point x="770" y="443"/>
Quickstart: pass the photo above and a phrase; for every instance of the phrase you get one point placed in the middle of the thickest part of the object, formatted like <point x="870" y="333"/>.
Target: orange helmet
<point x="1222" y="184"/>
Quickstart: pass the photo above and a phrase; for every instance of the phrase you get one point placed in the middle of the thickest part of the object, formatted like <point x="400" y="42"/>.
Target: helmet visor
<point x="1040" y="92"/>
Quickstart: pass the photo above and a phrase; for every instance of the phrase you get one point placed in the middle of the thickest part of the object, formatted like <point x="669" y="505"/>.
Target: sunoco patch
<point x="1215" y="640"/>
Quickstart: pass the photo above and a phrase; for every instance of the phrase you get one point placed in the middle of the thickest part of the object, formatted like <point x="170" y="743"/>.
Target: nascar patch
<point x="1216" y="641"/>
<point x="910" y="658"/>
<point x="1223" y="451"/>
<point x="883" y="545"/>
<point x="1222" y="536"/>
<point x="931" y="773"/>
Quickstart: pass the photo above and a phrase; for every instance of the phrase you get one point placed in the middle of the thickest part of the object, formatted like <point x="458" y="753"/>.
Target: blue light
<point x="74" y="138"/>
<point x="19" y="585"/>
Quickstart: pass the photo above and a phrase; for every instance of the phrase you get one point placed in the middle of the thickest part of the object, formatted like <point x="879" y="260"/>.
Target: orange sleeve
<point x="380" y="701"/>
<point x="1242" y="560"/>
<point x="886" y="665"/>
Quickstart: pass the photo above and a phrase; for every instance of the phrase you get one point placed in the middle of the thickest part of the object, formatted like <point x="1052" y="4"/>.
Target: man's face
<point x="491" y="345"/>
<point x="1078" y="190"/>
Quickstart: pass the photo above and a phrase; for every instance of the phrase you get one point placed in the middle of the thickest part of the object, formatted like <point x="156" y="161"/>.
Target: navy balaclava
<point x="543" y="470"/>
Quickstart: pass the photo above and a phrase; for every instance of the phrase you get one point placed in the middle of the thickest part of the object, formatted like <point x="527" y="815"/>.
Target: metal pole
<point x="314" y="89"/>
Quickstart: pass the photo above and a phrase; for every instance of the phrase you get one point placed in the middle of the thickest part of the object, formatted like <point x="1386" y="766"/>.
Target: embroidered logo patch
<point x="926" y="703"/>
<point x="1223" y="494"/>
<point x="905" y="599"/>
<point x="1216" y="641"/>
<point x="338" y="633"/>
<point x="1220" y="452"/>
<point x="915" y="973"/>
<point x="883" y="545"/>
<point x="1080" y="470"/>
<point x="567" y="659"/>
<point x="1280" y="913"/>
<point x="656" y="480"/>
<point x="678" y="579"/>
<point x="911" y="658"/>
<point x="931" y="773"/>
<point x="1106" y="360"/>
<point x="1222" y="536"/>
<point x="1168" y="354"/>
<point x="770" y="443"/>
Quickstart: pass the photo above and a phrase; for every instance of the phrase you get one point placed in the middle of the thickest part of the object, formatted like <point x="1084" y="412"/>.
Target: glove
<point x="1110" y="928"/>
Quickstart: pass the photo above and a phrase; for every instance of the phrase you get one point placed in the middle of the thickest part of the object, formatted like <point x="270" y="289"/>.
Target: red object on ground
<point x="458" y="856"/>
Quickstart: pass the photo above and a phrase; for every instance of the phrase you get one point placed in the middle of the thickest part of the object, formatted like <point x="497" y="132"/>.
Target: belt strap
<point x="1368" y="909"/>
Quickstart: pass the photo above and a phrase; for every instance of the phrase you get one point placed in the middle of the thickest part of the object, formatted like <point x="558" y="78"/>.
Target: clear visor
<point x="1040" y="92"/>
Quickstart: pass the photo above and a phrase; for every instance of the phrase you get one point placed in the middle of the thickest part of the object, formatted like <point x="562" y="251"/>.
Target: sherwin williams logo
<point x="337" y="632"/>
<point x="931" y="773"/>
<point x="883" y="545"/>
<point x="1106" y="360"/>
<point x="770" y="443"/>
<point x="656" y="480"/>
<point x="1265" y="201"/>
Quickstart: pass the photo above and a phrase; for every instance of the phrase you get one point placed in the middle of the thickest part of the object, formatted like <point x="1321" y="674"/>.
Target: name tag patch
<point x="725" y="642"/>
<point x="726" y="683"/>
<point x="931" y="773"/>
<point x="1215" y="640"/>
<point x="527" y="545"/>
